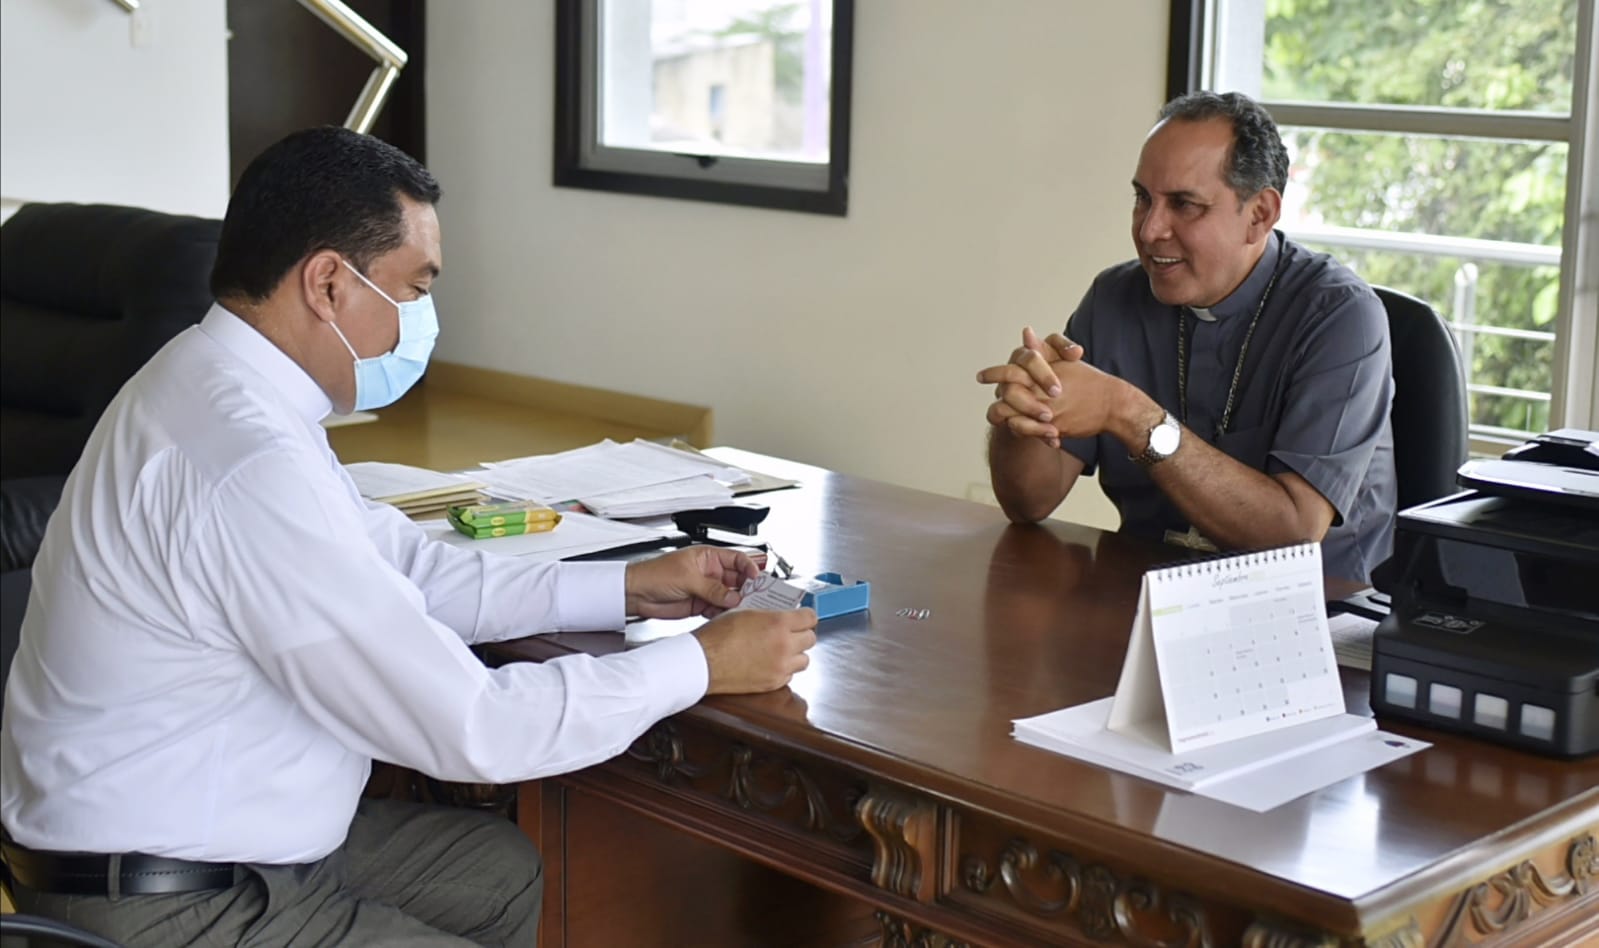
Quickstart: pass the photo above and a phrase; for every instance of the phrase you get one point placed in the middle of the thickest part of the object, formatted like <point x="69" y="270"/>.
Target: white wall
<point x="85" y="115"/>
<point x="992" y="144"/>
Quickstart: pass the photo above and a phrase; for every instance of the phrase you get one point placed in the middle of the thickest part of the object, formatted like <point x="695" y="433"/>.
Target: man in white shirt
<point x="223" y="635"/>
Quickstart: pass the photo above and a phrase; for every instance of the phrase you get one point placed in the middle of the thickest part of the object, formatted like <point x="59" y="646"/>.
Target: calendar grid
<point x="1242" y="646"/>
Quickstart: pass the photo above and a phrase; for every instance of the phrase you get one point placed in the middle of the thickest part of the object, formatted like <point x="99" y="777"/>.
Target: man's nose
<point x="1156" y="224"/>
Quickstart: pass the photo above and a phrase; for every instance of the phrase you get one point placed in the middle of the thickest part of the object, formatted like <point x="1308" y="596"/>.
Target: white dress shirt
<point x="222" y="633"/>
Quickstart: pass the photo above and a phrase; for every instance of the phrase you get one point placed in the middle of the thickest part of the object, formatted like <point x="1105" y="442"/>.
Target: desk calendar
<point x="1228" y="648"/>
<point x="1229" y="689"/>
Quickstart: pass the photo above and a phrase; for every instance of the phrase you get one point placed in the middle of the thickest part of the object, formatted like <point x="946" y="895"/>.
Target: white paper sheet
<point x="654" y="500"/>
<point x="1271" y="787"/>
<point x="1257" y="772"/>
<point x="1351" y="638"/>
<point x="725" y="474"/>
<point x="600" y="468"/>
<point x="577" y="534"/>
<point x="378" y="480"/>
<point x="1081" y="732"/>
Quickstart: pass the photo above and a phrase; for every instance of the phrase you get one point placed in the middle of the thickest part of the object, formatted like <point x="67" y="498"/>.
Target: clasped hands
<point x="1047" y="391"/>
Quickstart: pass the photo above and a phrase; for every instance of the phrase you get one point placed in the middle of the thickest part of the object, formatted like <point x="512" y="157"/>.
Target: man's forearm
<point x="1029" y="475"/>
<point x="1232" y="504"/>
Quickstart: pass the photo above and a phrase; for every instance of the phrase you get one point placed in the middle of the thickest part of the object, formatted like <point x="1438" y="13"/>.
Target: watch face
<point x="1163" y="439"/>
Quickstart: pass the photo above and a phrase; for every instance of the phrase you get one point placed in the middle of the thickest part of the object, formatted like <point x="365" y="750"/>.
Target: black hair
<point x="1258" y="159"/>
<point x="318" y="189"/>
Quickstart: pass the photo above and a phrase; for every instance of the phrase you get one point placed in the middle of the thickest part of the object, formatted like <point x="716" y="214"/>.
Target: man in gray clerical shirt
<point x="1231" y="387"/>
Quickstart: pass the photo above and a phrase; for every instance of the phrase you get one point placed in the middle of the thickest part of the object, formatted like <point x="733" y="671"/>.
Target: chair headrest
<point x="106" y="261"/>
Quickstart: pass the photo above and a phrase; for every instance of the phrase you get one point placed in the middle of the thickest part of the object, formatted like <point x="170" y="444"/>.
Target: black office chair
<point x="33" y="931"/>
<point x="1429" y="411"/>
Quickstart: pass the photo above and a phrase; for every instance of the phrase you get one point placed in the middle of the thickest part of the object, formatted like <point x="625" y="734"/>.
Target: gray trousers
<point x="408" y="875"/>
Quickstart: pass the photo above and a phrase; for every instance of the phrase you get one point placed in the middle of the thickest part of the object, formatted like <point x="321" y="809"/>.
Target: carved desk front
<point x="881" y="800"/>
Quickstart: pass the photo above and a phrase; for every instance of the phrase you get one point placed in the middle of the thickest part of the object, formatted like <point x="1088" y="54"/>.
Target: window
<point x="1437" y="147"/>
<point x="738" y="101"/>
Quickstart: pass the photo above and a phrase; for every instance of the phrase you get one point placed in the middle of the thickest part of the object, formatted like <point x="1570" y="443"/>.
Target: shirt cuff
<point x="677" y="671"/>
<point x="1337" y="483"/>
<point x="1085" y="450"/>
<point x="591" y="597"/>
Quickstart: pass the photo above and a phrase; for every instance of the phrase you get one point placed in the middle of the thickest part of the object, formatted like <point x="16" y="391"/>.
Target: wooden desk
<point x="886" y="779"/>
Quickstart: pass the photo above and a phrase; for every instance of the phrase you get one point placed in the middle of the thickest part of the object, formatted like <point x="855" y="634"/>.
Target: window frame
<point x="582" y="161"/>
<point x="1574" y="392"/>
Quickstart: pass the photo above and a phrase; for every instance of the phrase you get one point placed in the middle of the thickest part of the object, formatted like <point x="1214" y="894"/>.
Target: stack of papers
<point x="578" y="535"/>
<point x="757" y="482"/>
<point x="657" y="499"/>
<point x="415" y="490"/>
<point x="638" y="479"/>
<point x="1275" y="767"/>
<point x="353" y="418"/>
<point x="1351" y="638"/>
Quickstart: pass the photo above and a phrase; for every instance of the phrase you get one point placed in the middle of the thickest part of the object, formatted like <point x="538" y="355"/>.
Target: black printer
<point x="1494" y="622"/>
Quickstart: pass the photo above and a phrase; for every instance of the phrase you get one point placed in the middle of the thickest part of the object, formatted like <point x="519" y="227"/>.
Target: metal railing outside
<point x="1463" y="319"/>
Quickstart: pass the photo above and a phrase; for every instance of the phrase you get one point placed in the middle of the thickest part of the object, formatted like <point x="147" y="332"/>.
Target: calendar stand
<point x="1228" y="648"/>
<point x="1229" y="671"/>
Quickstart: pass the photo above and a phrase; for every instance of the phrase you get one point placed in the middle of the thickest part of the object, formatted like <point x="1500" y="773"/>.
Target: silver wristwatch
<point x="1163" y="441"/>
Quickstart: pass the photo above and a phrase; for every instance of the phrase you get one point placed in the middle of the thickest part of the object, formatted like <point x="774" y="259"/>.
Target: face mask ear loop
<point x="368" y="282"/>
<point x="362" y="277"/>
<point x="340" y="332"/>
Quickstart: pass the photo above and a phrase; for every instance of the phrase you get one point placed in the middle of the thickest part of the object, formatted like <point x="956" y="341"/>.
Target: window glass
<point x="1508" y="352"/>
<point x="1430" y="150"/>
<point x="1460" y="187"/>
<point x="734" y="78"/>
<point x="1499" y="288"/>
<point x="734" y="101"/>
<point x="1461" y="54"/>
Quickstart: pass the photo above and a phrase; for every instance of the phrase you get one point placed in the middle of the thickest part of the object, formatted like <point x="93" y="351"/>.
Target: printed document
<point x="599" y="469"/>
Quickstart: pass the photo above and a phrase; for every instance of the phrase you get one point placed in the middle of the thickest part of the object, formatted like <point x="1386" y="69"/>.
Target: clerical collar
<point x="1244" y="299"/>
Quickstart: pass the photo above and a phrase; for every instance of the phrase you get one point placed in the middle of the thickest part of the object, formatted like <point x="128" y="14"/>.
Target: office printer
<point x="1494" y="622"/>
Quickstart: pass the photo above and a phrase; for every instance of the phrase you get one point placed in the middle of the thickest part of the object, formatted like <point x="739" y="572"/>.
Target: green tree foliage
<point x="1476" y="54"/>
<point x="776" y="24"/>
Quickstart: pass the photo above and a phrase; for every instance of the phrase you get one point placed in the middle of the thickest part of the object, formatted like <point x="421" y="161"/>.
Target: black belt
<point x="121" y="874"/>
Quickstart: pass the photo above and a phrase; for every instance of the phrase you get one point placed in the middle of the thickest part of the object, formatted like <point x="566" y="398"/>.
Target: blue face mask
<point x="381" y="380"/>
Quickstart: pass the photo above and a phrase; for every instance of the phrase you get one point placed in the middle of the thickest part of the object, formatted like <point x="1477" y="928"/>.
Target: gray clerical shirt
<point x="1313" y="396"/>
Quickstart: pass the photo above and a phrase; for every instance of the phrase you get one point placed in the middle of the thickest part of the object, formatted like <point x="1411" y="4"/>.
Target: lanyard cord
<point x="1238" y="370"/>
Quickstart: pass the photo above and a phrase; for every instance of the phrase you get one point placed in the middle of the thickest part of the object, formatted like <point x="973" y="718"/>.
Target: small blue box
<point x="830" y="594"/>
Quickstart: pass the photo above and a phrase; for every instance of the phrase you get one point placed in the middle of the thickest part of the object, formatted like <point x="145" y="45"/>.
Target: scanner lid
<point x="1507" y="522"/>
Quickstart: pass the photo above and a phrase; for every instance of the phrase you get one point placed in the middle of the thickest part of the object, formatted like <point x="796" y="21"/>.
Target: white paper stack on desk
<point x="415" y="491"/>
<point x="656" y="499"/>
<point x="637" y="479"/>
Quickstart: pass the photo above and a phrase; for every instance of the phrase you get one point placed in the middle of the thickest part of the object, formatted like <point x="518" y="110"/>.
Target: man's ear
<point x="1265" y="208"/>
<point x="317" y="285"/>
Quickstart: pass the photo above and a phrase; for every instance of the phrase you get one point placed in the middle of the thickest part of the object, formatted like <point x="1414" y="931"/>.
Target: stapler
<point x="731" y="518"/>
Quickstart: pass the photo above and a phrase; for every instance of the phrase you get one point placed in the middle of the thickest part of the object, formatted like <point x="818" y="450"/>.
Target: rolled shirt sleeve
<point x="1337" y="402"/>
